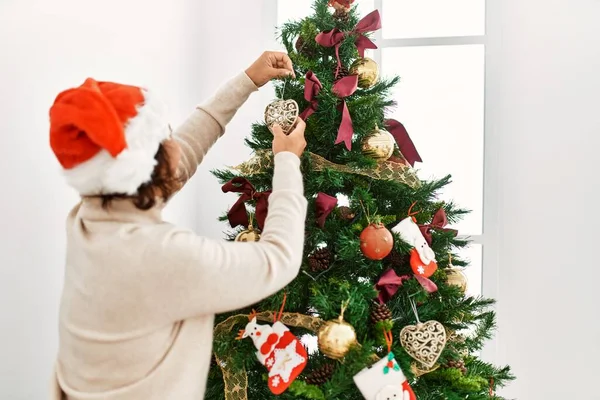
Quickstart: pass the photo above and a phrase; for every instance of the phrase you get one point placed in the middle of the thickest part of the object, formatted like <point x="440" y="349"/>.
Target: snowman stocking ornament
<point x="384" y="380"/>
<point x="422" y="257"/>
<point x="278" y="350"/>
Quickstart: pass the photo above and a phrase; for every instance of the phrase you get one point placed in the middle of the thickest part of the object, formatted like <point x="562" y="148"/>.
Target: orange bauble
<point x="376" y="241"/>
<point x="419" y="268"/>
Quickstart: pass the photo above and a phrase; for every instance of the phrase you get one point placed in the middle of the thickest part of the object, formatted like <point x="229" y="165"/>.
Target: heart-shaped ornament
<point x="283" y="113"/>
<point x="424" y="342"/>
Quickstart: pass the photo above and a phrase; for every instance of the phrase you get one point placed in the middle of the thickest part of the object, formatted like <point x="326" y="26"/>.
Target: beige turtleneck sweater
<point x="140" y="294"/>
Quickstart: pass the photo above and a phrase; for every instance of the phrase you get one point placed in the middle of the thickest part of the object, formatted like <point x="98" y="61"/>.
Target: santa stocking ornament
<point x="422" y="257"/>
<point x="278" y="350"/>
<point x="384" y="380"/>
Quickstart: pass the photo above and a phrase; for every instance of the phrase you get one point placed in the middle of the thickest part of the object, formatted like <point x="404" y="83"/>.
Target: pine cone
<point x="346" y="213"/>
<point x="380" y="312"/>
<point x="303" y="48"/>
<point x="320" y="375"/>
<point x="458" y="364"/>
<point x="341" y="72"/>
<point x="396" y="259"/>
<point x="320" y="260"/>
<point x="341" y="16"/>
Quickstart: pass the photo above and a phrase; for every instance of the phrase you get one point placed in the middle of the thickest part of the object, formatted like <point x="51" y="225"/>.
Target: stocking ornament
<point x="278" y="350"/>
<point x="384" y="380"/>
<point x="422" y="258"/>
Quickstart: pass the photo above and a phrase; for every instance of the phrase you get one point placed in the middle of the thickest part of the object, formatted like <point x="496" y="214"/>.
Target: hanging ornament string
<point x="278" y="317"/>
<point x="414" y="308"/>
<point x="412" y="213"/>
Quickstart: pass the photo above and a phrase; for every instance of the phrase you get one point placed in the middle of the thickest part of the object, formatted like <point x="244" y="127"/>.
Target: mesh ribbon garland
<point x="236" y="382"/>
<point x="388" y="170"/>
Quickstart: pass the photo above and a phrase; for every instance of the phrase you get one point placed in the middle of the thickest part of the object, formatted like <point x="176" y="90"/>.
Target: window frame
<point x="488" y="239"/>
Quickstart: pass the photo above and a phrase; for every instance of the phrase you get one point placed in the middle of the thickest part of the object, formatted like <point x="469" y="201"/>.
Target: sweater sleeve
<point x="204" y="276"/>
<point x="207" y="123"/>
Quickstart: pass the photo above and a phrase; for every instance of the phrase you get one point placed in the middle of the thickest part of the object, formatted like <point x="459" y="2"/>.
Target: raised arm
<point x="207" y="123"/>
<point x="204" y="276"/>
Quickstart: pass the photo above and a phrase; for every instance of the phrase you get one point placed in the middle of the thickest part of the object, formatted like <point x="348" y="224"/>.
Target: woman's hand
<point x="270" y="65"/>
<point x="294" y="142"/>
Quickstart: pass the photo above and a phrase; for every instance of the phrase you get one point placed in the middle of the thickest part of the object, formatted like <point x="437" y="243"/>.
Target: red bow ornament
<point x="403" y="140"/>
<point x="389" y="283"/>
<point x="335" y="37"/>
<point x="440" y="220"/>
<point x="312" y="87"/>
<point x="238" y="215"/>
<point x="324" y="206"/>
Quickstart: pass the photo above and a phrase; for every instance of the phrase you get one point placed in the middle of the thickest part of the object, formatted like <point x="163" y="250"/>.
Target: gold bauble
<point x="367" y="71"/>
<point x="456" y="277"/>
<point x="248" y="235"/>
<point x="336" y="337"/>
<point x="379" y="145"/>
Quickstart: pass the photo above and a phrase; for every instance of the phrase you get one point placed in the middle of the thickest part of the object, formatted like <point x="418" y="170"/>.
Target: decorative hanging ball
<point x="283" y="113"/>
<point x="376" y="241"/>
<point x="367" y="71"/>
<point x="336" y="337"/>
<point x="456" y="277"/>
<point x="248" y="235"/>
<point x="379" y="145"/>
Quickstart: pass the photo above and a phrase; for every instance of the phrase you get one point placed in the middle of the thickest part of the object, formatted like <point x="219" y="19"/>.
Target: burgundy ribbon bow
<point x="335" y="37"/>
<point x="389" y="283"/>
<point x="238" y="215"/>
<point x="312" y="87"/>
<point x="343" y="88"/>
<point x="405" y="143"/>
<point x="324" y="205"/>
<point x="440" y="220"/>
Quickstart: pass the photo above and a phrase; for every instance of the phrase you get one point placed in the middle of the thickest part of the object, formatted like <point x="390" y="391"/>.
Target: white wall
<point x="543" y="188"/>
<point x="183" y="49"/>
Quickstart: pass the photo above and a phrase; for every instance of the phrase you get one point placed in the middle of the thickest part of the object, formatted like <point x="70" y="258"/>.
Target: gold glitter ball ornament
<point x="379" y="145"/>
<point x="336" y="337"/>
<point x="367" y="71"/>
<point x="283" y="113"/>
<point x="248" y="235"/>
<point x="456" y="277"/>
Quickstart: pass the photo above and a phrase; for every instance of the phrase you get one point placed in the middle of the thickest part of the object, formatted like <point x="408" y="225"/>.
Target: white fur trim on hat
<point x="133" y="167"/>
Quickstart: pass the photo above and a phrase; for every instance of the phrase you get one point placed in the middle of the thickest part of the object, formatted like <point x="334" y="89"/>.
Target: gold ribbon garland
<point x="387" y="170"/>
<point x="236" y="382"/>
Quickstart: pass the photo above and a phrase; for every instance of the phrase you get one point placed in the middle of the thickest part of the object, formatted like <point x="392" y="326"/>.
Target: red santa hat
<point x="106" y="135"/>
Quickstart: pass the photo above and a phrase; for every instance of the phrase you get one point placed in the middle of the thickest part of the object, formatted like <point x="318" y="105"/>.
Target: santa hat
<point x="106" y="135"/>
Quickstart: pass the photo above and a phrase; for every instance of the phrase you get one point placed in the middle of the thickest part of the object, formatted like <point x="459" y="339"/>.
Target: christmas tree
<point x="381" y="285"/>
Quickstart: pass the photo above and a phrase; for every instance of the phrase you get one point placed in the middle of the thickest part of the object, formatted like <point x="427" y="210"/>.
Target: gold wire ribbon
<point x="387" y="170"/>
<point x="236" y="382"/>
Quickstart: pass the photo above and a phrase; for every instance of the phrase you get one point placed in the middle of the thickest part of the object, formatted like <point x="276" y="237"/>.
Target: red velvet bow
<point x="389" y="283"/>
<point x="238" y="215"/>
<point x="343" y="88"/>
<point x="439" y="221"/>
<point x="405" y="143"/>
<point x="312" y="87"/>
<point x="335" y="37"/>
<point x="324" y="205"/>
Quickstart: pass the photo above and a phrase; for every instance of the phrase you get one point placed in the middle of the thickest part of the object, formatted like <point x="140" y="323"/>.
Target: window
<point x="438" y="50"/>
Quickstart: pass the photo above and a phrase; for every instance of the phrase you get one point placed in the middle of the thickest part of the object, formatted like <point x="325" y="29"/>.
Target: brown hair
<point x="163" y="184"/>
